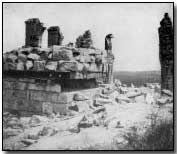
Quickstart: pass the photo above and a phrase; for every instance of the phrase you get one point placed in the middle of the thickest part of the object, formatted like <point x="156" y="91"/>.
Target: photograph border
<point x="174" y="100"/>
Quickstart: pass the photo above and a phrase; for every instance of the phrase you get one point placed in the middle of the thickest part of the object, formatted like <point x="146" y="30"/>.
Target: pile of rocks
<point x="55" y="58"/>
<point x="12" y="125"/>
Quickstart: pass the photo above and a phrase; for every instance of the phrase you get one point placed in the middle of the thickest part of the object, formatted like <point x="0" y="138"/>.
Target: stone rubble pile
<point x="55" y="58"/>
<point x="83" y="112"/>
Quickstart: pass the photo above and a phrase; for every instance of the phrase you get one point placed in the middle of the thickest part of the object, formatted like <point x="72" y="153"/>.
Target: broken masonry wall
<point x="34" y="32"/>
<point x="55" y="37"/>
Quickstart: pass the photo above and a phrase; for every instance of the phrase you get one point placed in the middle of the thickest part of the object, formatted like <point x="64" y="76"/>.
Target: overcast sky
<point x="134" y="25"/>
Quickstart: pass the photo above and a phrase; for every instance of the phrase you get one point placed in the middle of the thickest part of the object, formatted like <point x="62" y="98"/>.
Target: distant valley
<point x="138" y="78"/>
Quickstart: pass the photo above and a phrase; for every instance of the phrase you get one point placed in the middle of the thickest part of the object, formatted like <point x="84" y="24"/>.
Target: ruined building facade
<point x="34" y="32"/>
<point x="55" y="37"/>
<point x="166" y="52"/>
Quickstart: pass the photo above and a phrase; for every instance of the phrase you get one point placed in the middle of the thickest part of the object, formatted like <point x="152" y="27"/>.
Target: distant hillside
<point x="138" y="78"/>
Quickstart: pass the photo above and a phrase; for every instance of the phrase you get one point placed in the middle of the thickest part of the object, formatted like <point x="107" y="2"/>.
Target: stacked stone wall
<point x="31" y="97"/>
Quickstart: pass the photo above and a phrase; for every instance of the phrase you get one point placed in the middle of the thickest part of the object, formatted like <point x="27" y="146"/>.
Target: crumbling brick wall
<point x="166" y="52"/>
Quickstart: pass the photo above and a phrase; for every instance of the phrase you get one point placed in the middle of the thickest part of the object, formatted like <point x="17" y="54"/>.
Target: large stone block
<point x="35" y="95"/>
<point x="6" y="102"/>
<point x="62" y="99"/>
<point x="7" y="94"/>
<point x="69" y="96"/>
<point x="4" y="92"/>
<point x="33" y="86"/>
<point x="51" y="96"/>
<point x="40" y="95"/>
<point x="35" y="106"/>
<point x="10" y="97"/>
<point x="20" y="104"/>
<point x="45" y="87"/>
<point x="14" y="85"/>
<point x="54" y="88"/>
<point x="27" y="80"/>
<point x="23" y="105"/>
<point x="19" y="93"/>
<point x="15" y="104"/>
<point x="20" y="85"/>
<point x="47" y="107"/>
<point x="60" y="108"/>
<point x="7" y="85"/>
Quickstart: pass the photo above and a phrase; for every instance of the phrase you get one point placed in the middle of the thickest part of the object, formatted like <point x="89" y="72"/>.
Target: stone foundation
<point x="32" y="97"/>
<point x="36" y="97"/>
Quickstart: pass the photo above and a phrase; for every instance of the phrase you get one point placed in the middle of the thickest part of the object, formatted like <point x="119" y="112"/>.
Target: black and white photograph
<point x="88" y="76"/>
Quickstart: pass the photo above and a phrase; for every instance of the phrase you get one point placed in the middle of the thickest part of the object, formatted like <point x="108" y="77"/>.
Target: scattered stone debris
<point x="163" y="101"/>
<point x="45" y="131"/>
<point x="99" y="109"/>
<point x="8" y="132"/>
<point x="104" y="96"/>
<point x="122" y="98"/>
<point x="13" y="122"/>
<point x="103" y="101"/>
<point x="28" y="141"/>
<point x="73" y="107"/>
<point x="85" y="123"/>
<point x="134" y="94"/>
<point x="111" y="109"/>
<point x="167" y="92"/>
<point x="117" y="83"/>
<point x="79" y="97"/>
<point x="74" y="127"/>
<point x="34" y="135"/>
<point x="34" y="121"/>
<point x="149" y="99"/>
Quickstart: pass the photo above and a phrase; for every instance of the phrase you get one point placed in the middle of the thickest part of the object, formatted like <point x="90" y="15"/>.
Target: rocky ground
<point x="96" y="120"/>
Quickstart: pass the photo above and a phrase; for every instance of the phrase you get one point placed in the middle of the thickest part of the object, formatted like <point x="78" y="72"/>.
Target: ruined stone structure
<point x="35" y="79"/>
<point x="29" y="96"/>
<point x="55" y="37"/>
<point x="166" y="52"/>
<point x="34" y="32"/>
